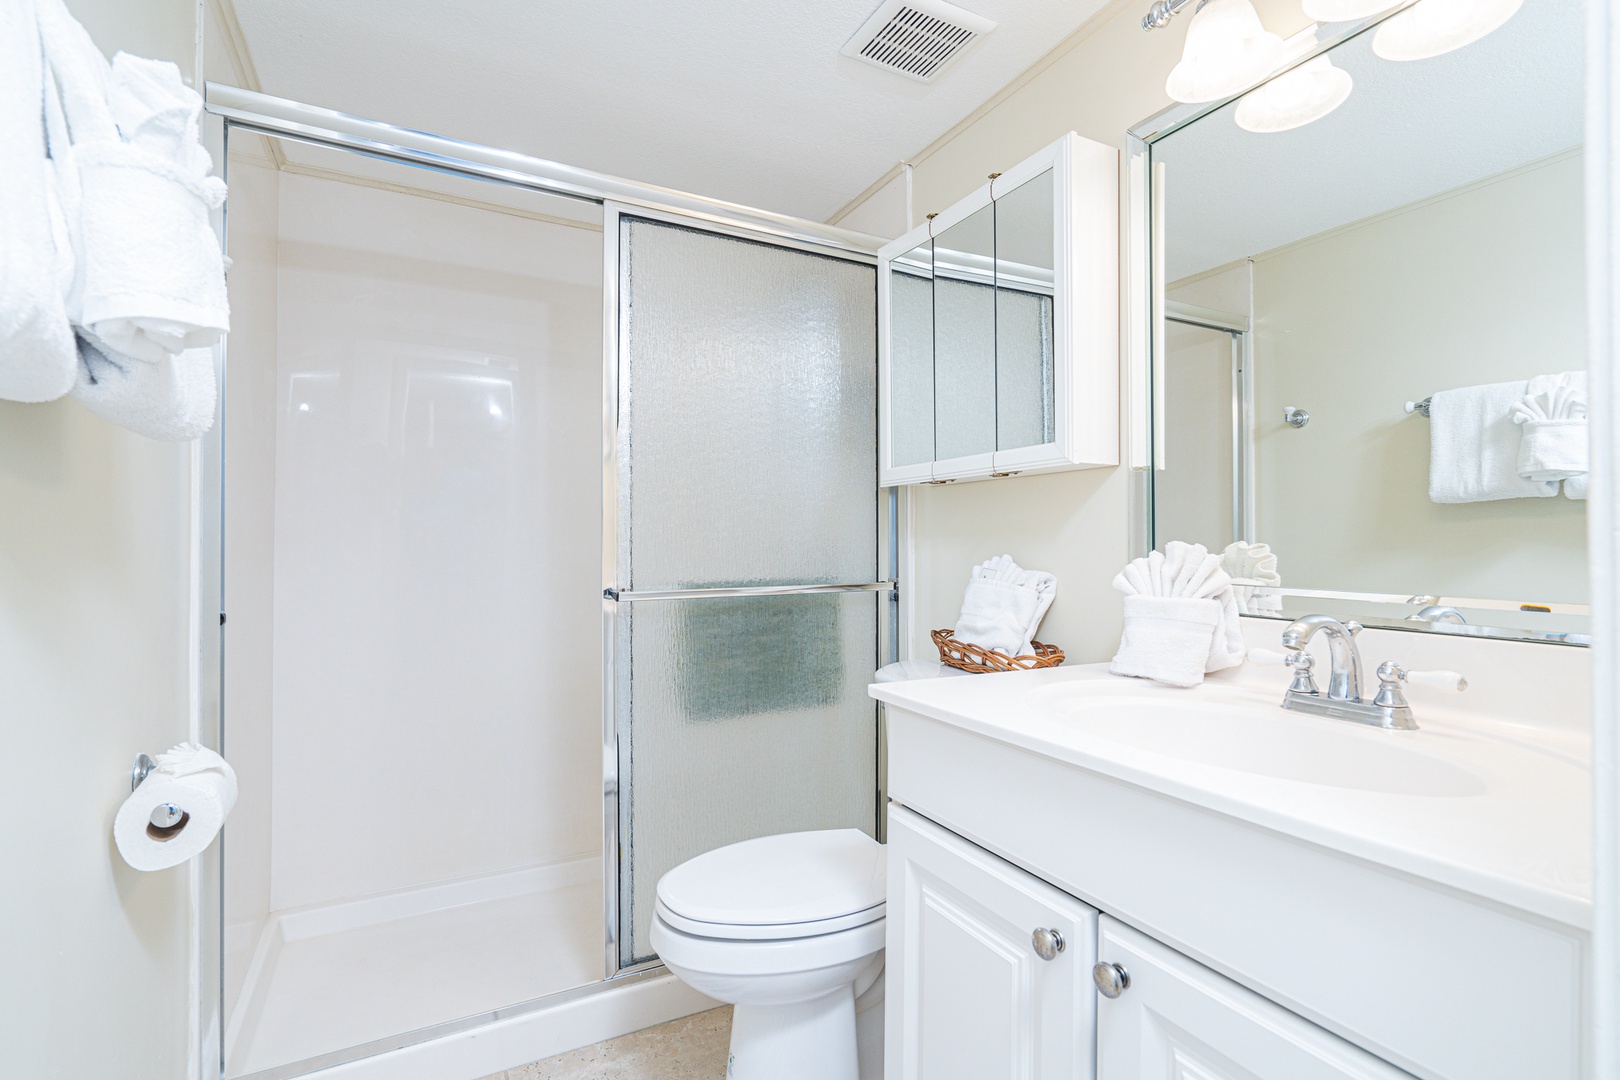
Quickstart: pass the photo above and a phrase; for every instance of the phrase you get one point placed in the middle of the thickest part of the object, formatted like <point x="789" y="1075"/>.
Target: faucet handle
<point x="1304" y="682"/>
<point x="1391" y="675"/>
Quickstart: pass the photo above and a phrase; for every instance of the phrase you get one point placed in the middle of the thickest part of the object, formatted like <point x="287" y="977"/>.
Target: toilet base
<point x="807" y="1040"/>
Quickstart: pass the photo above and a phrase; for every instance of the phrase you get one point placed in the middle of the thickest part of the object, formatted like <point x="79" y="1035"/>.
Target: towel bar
<point x="1420" y="407"/>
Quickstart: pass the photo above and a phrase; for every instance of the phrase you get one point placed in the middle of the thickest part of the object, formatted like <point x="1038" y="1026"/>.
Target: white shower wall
<point x="413" y="590"/>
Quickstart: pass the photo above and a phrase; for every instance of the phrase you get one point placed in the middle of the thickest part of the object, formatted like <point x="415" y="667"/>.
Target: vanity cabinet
<point x="1177" y="1018"/>
<point x="998" y="326"/>
<point x="989" y="967"/>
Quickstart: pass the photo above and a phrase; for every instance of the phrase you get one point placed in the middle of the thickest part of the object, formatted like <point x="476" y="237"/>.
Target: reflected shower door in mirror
<point x="1420" y="243"/>
<point x="1025" y="263"/>
<point x="964" y="343"/>
<point x="909" y="311"/>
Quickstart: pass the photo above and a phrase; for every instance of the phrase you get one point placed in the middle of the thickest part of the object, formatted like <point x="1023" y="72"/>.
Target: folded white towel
<point x="1255" y="581"/>
<point x="1474" y="447"/>
<point x="1183" y="572"/>
<point x="1552" y="417"/>
<point x="1003" y="606"/>
<point x="36" y="343"/>
<point x="1167" y="638"/>
<point x="171" y="400"/>
<point x="1576" y="486"/>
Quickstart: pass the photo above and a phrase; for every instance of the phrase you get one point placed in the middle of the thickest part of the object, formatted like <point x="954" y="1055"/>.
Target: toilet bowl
<point x="789" y="930"/>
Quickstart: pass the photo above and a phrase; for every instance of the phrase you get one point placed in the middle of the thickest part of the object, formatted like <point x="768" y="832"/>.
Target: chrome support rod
<point x="1160" y="14"/>
<point x="629" y="597"/>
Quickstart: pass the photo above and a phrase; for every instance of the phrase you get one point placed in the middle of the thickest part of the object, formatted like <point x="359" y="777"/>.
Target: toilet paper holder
<point x="164" y="816"/>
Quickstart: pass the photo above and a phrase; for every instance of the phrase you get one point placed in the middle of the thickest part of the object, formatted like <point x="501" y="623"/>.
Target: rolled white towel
<point x="1474" y="447"/>
<point x="1003" y="606"/>
<point x="1552" y="417"/>
<point x="36" y="342"/>
<point x="1168" y="638"/>
<point x="1576" y="487"/>
<point x="171" y="400"/>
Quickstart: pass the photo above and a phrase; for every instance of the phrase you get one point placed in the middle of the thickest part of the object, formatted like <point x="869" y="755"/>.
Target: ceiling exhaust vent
<point x="917" y="38"/>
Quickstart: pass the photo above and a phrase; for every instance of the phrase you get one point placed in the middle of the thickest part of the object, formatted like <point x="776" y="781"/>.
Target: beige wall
<point x="1077" y="525"/>
<point x="1485" y="284"/>
<point x="94" y="600"/>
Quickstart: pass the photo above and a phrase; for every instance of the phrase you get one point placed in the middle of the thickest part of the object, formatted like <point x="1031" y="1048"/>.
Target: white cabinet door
<point x="1178" y="1020"/>
<point x="969" y="996"/>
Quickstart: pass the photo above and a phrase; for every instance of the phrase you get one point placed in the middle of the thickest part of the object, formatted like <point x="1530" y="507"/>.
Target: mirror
<point x="911" y="356"/>
<point x="1025" y="264"/>
<point x="1421" y="241"/>
<point x="965" y="337"/>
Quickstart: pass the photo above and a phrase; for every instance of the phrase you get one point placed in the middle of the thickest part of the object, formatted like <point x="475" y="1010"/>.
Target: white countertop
<point x="1518" y="832"/>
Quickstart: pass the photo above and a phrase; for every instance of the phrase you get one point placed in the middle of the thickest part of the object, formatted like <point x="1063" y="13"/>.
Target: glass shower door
<point x="742" y="595"/>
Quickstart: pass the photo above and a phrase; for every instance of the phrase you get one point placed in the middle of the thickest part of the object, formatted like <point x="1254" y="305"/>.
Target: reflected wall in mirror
<point x="911" y="358"/>
<point x="1025" y="262"/>
<point x="1422" y="241"/>
<point x="965" y="337"/>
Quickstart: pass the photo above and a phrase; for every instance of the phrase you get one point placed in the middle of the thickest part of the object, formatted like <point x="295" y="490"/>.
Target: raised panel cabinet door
<point x="989" y="968"/>
<point x="1178" y="1020"/>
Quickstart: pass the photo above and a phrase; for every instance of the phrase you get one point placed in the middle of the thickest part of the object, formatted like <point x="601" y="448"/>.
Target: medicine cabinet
<point x="998" y="346"/>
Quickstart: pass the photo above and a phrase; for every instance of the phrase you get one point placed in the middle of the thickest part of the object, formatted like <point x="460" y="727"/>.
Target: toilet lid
<point x="775" y="880"/>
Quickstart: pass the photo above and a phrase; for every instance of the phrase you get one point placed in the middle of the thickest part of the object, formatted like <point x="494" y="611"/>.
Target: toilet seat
<point x="785" y="887"/>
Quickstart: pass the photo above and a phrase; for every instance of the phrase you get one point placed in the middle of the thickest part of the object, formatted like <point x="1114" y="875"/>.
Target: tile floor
<point x="689" y="1049"/>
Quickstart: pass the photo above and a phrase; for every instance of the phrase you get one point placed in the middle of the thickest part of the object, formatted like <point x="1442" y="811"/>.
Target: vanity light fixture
<point x="1332" y="11"/>
<point x="1227" y="52"/>
<point x="1434" y="27"/>
<point x="1295" y="98"/>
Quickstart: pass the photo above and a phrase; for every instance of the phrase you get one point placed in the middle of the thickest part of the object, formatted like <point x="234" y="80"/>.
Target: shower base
<point x="329" y="978"/>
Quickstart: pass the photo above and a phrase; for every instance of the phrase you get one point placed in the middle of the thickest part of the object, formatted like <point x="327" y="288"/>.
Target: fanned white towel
<point x="1003" y="606"/>
<point x="1255" y="581"/>
<point x="1576" y="486"/>
<point x="1161" y="641"/>
<point x="1474" y="447"/>
<point x="1552" y="417"/>
<point x="171" y="400"/>
<point x="36" y="344"/>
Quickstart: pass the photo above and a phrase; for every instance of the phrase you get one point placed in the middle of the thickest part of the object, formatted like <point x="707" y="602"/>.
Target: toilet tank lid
<point x="787" y="878"/>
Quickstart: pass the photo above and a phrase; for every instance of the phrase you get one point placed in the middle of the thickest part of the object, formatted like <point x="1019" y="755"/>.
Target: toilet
<point x="789" y="929"/>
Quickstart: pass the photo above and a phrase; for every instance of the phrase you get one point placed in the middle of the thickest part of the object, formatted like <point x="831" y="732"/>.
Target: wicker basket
<point x="969" y="657"/>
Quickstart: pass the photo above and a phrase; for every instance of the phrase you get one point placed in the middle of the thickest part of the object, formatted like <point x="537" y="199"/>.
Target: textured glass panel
<point x="1024" y="279"/>
<point x="965" y="338"/>
<point x="911" y="357"/>
<point x="750" y="718"/>
<point x="1023" y="369"/>
<point x="748" y="413"/>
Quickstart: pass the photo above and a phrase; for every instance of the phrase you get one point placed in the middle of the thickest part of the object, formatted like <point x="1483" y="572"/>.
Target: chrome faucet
<point x="1434" y="613"/>
<point x="1344" y="682"/>
<point x="1342" y="701"/>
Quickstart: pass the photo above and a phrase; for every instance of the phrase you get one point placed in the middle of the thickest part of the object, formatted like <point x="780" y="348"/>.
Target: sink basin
<point x="1217" y="728"/>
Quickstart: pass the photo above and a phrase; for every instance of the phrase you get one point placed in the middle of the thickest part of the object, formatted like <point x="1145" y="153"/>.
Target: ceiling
<point x="1409" y="131"/>
<point x="749" y="102"/>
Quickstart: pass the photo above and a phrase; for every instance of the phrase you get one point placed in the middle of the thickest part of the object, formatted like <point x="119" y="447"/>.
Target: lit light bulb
<point x="1434" y="27"/>
<point x="1295" y="98"/>
<point x="1332" y="11"/>
<point x="1227" y="52"/>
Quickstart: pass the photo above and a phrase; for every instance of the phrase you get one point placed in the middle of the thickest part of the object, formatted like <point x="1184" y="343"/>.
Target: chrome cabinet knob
<point x="1111" y="979"/>
<point x="1047" y="943"/>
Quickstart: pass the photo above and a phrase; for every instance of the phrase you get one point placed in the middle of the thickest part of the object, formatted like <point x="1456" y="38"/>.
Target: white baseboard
<point x="535" y="1036"/>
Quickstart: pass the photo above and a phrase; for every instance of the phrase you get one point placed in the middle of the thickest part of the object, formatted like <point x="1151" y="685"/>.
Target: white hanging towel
<point x="1552" y="417"/>
<point x="36" y="342"/>
<point x="148" y="295"/>
<point x="171" y="400"/>
<point x="1474" y="447"/>
<point x="1181" y="617"/>
<point x="1003" y="606"/>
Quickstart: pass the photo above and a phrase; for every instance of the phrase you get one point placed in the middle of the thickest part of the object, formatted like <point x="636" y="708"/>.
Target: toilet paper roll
<point x="194" y="780"/>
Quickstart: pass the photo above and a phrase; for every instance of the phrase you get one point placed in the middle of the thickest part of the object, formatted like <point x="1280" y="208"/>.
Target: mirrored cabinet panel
<point x="999" y="326"/>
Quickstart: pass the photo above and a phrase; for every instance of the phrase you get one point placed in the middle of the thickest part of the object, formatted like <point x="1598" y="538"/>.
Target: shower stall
<point x="552" y="555"/>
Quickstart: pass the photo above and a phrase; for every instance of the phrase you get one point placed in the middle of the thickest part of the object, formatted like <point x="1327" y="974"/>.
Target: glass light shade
<point x="1434" y="27"/>
<point x="1295" y="98"/>
<point x="1227" y="51"/>
<point x="1332" y="11"/>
